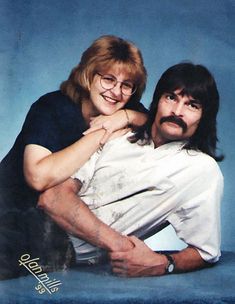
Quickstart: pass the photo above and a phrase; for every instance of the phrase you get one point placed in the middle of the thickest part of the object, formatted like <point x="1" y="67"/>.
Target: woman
<point x="51" y="145"/>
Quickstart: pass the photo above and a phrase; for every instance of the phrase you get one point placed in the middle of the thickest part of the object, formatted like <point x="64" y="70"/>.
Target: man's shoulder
<point x="122" y="143"/>
<point x="202" y="162"/>
<point x="199" y="156"/>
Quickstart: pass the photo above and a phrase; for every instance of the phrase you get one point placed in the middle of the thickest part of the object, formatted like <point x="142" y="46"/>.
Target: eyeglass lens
<point x="108" y="82"/>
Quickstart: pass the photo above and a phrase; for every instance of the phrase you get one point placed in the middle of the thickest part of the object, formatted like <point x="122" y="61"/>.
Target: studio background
<point x="41" y="41"/>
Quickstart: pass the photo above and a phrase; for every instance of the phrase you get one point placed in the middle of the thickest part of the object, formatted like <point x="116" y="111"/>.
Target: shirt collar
<point x="173" y="145"/>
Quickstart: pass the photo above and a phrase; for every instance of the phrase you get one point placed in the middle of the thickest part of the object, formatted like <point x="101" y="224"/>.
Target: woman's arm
<point x="44" y="169"/>
<point x="118" y="120"/>
<point x="137" y="119"/>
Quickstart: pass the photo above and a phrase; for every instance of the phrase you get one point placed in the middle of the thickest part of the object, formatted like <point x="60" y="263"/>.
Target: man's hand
<point x="142" y="261"/>
<point x="139" y="261"/>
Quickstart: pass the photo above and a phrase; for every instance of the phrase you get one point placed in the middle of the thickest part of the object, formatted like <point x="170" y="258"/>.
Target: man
<point x="168" y="174"/>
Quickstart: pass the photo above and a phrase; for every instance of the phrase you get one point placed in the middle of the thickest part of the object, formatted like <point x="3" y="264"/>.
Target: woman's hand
<point x="117" y="121"/>
<point x="117" y="134"/>
<point x="111" y="123"/>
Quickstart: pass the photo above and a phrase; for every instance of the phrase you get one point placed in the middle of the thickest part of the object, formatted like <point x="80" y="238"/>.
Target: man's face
<point x="177" y="117"/>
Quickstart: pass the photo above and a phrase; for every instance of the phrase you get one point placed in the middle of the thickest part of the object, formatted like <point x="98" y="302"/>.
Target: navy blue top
<point x="54" y="122"/>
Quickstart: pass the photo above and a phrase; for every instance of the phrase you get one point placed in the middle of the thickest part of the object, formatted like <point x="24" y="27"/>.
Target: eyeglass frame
<point x="116" y="82"/>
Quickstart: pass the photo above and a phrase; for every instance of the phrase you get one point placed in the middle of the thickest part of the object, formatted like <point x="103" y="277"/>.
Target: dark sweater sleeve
<point x="53" y="122"/>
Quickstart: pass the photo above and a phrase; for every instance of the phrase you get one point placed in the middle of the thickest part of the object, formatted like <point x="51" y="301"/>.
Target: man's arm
<point x="63" y="205"/>
<point x="142" y="261"/>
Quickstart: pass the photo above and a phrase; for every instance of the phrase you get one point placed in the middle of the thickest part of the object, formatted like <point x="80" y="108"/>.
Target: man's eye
<point x="170" y="97"/>
<point x="194" y="106"/>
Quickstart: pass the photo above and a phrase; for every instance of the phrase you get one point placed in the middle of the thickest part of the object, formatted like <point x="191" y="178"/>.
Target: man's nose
<point x="178" y="109"/>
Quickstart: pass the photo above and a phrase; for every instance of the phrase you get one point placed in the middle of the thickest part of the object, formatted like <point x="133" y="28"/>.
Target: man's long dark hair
<point x="195" y="81"/>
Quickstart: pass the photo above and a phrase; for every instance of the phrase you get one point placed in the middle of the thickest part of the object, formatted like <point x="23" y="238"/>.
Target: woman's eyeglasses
<point x="108" y="82"/>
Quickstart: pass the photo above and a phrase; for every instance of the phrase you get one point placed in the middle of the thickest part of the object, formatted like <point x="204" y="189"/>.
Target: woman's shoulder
<point x="54" y="99"/>
<point x="56" y="103"/>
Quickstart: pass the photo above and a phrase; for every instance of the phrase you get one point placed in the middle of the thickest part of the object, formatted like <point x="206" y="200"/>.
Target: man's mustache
<point x="176" y="120"/>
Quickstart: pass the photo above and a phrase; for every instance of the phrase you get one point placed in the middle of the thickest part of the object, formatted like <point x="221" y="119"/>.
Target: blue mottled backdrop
<point x="42" y="40"/>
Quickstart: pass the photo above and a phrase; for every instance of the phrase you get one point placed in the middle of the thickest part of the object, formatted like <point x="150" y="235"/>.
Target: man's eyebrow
<point x="195" y="101"/>
<point x="171" y="93"/>
<point x="191" y="99"/>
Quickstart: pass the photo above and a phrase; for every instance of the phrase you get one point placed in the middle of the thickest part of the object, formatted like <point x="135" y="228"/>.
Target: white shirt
<point x="135" y="188"/>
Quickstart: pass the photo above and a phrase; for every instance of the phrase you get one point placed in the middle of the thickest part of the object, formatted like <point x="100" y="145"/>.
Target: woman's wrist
<point x="136" y="118"/>
<point x="100" y="136"/>
<point x="128" y="123"/>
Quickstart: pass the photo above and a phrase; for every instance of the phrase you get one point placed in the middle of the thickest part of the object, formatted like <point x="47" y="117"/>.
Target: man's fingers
<point x="117" y="256"/>
<point x="120" y="268"/>
<point x="118" y="263"/>
<point x="135" y="240"/>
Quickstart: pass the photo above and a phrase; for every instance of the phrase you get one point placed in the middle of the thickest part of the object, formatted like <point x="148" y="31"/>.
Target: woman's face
<point x="107" y="101"/>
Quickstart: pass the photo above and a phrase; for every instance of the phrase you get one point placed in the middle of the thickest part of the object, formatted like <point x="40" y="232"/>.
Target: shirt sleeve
<point x="86" y="172"/>
<point x="197" y="220"/>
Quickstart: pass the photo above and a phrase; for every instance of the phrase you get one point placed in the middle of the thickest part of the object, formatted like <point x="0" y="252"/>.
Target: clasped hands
<point x="115" y="125"/>
<point x="138" y="261"/>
